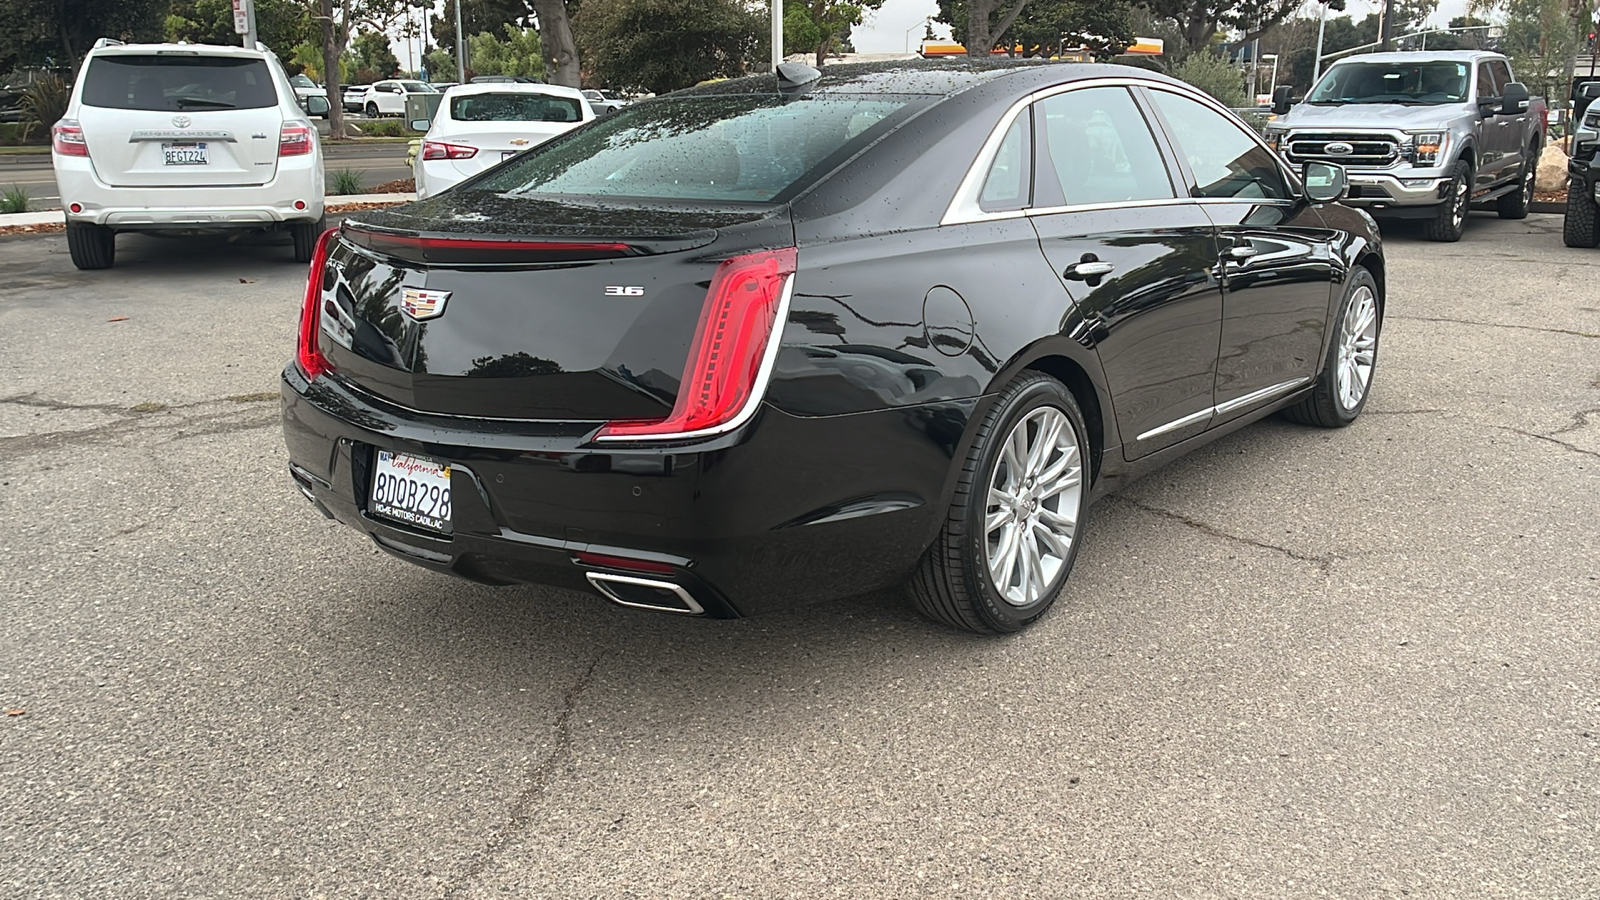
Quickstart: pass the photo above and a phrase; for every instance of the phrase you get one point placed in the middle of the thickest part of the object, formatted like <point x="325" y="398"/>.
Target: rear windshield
<point x="170" y="83"/>
<point x="515" y="107"/>
<point x="732" y="147"/>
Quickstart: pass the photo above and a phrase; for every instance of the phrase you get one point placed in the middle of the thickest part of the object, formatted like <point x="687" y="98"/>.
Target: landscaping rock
<point x="1552" y="174"/>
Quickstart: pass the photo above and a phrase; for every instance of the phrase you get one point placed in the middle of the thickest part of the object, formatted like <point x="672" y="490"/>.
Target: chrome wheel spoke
<point x="1034" y="497"/>
<point x="996" y="519"/>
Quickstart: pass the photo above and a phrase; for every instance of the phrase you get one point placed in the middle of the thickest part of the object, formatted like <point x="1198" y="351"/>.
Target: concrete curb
<point x="334" y="202"/>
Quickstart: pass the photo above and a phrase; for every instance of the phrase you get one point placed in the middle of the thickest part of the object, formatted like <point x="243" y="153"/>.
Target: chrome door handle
<point x="1089" y="268"/>
<point x="1242" y="251"/>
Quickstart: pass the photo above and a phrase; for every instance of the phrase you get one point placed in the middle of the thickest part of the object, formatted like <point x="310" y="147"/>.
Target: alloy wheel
<point x="1358" y="347"/>
<point x="1529" y="177"/>
<point x="1459" y="214"/>
<point x="1031" y="518"/>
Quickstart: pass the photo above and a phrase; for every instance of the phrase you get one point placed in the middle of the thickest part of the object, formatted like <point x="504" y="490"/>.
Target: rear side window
<point x="1009" y="181"/>
<point x="172" y="83"/>
<point x="515" y="107"/>
<point x="736" y="147"/>
<point x="1099" y="148"/>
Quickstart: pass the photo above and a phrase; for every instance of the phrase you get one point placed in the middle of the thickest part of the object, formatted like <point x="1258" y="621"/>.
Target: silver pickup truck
<point x="1423" y="135"/>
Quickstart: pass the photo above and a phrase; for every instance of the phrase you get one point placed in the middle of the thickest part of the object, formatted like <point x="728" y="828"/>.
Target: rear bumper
<point x="193" y="207"/>
<point x="787" y="511"/>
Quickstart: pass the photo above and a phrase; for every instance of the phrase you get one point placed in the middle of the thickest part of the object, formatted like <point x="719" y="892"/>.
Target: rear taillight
<point x="294" y="139"/>
<point x="66" y="138"/>
<point x="441" y="150"/>
<point x="732" y="353"/>
<point x="307" y="354"/>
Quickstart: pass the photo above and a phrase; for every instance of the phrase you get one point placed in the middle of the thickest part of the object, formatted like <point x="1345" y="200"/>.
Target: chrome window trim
<point x="758" y="391"/>
<point x="1266" y="393"/>
<point x="964" y="209"/>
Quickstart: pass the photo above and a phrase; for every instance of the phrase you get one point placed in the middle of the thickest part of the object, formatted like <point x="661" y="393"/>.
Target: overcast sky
<point x="897" y="26"/>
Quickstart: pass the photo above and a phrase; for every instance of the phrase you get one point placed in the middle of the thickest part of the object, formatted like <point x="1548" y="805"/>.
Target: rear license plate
<point x="186" y="154"/>
<point x="412" y="489"/>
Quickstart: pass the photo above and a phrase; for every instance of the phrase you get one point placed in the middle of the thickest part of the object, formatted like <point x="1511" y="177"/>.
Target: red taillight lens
<point x="66" y="138"/>
<point x="307" y="355"/>
<point x="294" y="140"/>
<point x="622" y="562"/>
<point x="441" y="150"/>
<point x="734" y="340"/>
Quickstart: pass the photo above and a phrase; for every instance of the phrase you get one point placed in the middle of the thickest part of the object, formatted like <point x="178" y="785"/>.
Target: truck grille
<point x="1366" y="150"/>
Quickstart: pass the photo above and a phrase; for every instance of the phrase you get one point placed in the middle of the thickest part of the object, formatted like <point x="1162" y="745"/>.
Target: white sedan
<point x="478" y="125"/>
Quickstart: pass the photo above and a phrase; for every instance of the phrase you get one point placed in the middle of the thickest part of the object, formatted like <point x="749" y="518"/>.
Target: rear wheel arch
<point x="1072" y="374"/>
<point x="1373" y="262"/>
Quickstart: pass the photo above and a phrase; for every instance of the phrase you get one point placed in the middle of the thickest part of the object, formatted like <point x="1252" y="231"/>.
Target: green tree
<point x="58" y="32"/>
<point x="663" y="45"/>
<point x="372" y="52"/>
<point x="280" y="24"/>
<point x="477" y="17"/>
<point x="1201" y="20"/>
<point x="986" y="22"/>
<point x="1214" y="74"/>
<point x="1043" y="25"/>
<point x="516" y="53"/>
<point x="821" y="26"/>
<point x="1542" y="38"/>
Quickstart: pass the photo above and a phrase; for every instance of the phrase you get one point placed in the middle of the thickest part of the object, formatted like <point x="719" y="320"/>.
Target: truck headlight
<point x="1426" y="147"/>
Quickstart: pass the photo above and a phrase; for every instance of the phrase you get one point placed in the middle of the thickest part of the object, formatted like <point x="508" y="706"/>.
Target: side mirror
<point x="317" y="105"/>
<point x="1515" y="101"/>
<point x="420" y="124"/>
<point x="1280" y="99"/>
<point x="1325" y="182"/>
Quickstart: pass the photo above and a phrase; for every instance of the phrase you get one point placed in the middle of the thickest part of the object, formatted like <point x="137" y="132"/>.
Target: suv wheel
<point x="1015" y="524"/>
<point x="91" y="246"/>
<point x="1451" y="216"/>
<point x="305" y="236"/>
<point x="1515" y="204"/>
<point x="1578" y="230"/>
<point x="372" y="110"/>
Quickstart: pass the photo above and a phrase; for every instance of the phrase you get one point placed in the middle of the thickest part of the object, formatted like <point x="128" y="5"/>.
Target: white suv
<point x="388" y="98"/>
<point x="185" y="138"/>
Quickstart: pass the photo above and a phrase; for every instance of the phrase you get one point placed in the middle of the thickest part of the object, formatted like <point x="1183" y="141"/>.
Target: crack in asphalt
<point x="1404" y="412"/>
<point x="1324" y="564"/>
<point x="1549" y="440"/>
<point x="232" y="418"/>
<point x="1580" y="419"/>
<point x="1567" y="331"/>
<point x="539" y="778"/>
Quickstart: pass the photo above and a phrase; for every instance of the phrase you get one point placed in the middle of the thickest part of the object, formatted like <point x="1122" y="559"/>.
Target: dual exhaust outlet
<point x="645" y="593"/>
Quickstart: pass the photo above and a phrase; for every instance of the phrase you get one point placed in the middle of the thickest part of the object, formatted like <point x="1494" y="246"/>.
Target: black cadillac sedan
<point x="797" y="336"/>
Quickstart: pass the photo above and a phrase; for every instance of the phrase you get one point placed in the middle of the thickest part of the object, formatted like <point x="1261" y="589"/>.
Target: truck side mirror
<point x="1280" y="99"/>
<point x="1515" y="100"/>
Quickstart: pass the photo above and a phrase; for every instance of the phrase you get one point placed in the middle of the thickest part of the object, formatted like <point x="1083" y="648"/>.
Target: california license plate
<point x="411" y="489"/>
<point x="185" y="154"/>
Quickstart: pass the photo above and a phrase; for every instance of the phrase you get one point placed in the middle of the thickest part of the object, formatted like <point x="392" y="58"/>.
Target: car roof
<point x="1415" y="56"/>
<point x="939" y="77"/>
<point x="515" y="87"/>
<point x="182" y="49"/>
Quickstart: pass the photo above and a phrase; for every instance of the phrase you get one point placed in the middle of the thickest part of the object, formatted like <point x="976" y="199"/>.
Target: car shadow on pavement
<point x="195" y="254"/>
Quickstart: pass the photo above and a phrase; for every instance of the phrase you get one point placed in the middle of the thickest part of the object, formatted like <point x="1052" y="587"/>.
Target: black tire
<point x="1325" y="406"/>
<point x="1578" y="230"/>
<point x="305" y="236"/>
<point x="953" y="583"/>
<point x="372" y="110"/>
<point x="1515" y="204"/>
<point x="1451" y="217"/>
<point x="91" y="246"/>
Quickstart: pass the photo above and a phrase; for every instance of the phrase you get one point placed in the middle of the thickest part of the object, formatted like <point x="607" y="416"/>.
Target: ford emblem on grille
<point x="420" y="304"/>
<point x="1339" y="148"/>
<point x="180" y="122"/>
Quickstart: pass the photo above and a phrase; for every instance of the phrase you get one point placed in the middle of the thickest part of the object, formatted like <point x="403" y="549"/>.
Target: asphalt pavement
<point x="376" y="163"/>
<point x="1297" y="663"/>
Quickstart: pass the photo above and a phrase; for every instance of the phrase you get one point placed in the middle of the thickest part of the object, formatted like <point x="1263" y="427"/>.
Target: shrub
<point x="348" y="181"/>
<point x="46" y="101"/>
<point x="14" y="201"/>
<point x="1212" y="73"/>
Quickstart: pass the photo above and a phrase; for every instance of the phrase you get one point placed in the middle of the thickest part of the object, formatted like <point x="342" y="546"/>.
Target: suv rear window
<point x="171" y="83"/>
<point x="515" y="107"/>
<point x="737" y="147"/>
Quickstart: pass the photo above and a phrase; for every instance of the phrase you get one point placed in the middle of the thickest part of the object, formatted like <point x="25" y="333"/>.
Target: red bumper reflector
<point x="622" y="562"/>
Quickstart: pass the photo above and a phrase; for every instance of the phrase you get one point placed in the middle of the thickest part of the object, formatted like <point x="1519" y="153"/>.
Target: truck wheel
<point x="1515" y="204"/>
<point x="91" y="246"/>
<point x="1451" y="217"/>
<point x="1579" y="228"/>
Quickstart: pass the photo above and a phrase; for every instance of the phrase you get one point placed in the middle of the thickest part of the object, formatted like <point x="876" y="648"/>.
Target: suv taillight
<point x="294" y="139"/>
<point x="307" y="354"/>
<point x="441" y="150"/>
<point x="733" y="348"/>
<point x="66" y="138"/>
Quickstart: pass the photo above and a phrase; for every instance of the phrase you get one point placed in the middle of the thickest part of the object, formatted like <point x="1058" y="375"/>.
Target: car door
<point x="1276" y="259"/>
<point x="1508" y="129"/>
<point x="1136" y="256"/>
<point x="1492" y="145"/>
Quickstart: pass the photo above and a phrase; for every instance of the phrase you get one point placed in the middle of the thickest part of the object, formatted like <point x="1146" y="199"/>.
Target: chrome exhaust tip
<point x="645" y="593"/>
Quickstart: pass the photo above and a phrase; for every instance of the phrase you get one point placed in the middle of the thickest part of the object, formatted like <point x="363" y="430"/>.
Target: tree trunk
<point x="330" y="70"/>
<point x="555" y="39"/>
<point x="980" y="37"/>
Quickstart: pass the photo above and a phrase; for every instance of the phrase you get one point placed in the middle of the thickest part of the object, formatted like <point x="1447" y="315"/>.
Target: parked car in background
<point x="304" y="86"/>
<point x="354" y="97"/>
<point x="794" y="337"/>
<point x="442" y="86"/>
<point x="1424" y="135"/>
<point x="182" y="139"/>
<point x="478" y="125"/>
<point x="388" y="98"/>
<point x="503" y="79"/>
<point x="604" y="103"/>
